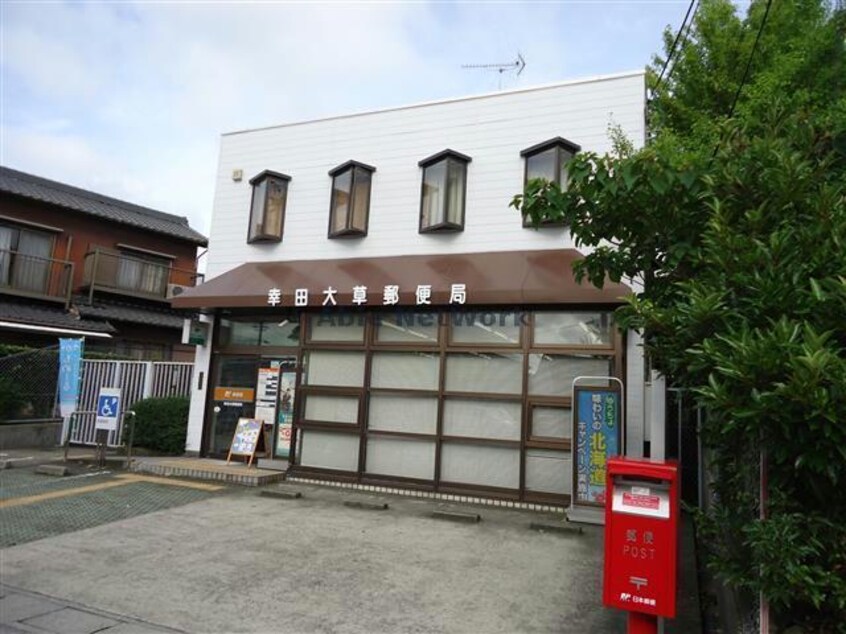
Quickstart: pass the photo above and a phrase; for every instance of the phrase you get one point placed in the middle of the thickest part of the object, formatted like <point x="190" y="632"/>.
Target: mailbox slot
<point x="649" y="497"/>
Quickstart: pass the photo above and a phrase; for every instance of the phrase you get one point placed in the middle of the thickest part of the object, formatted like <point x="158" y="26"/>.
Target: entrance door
<point x="233" y="398"/>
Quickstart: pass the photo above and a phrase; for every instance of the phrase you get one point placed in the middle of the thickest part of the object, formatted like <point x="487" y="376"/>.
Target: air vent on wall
<point x="175" y="289"/>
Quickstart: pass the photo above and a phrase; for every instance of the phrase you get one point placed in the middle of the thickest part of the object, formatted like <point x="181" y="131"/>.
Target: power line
<point x="675" y="43"/>
<point x="745" y="76"/>
<point x="684" y="40"/>
<point x="749" y="61"/>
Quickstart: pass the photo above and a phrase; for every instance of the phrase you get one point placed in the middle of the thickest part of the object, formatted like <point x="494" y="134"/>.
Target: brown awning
<point x="493" y="278"/>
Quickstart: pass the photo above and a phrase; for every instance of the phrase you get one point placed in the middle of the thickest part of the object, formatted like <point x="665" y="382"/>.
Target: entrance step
<point x="206" y="469"/>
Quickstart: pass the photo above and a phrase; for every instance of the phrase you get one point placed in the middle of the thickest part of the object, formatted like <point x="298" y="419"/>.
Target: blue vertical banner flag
<point x="597" y="412"/>
<point x="70" y="371"/>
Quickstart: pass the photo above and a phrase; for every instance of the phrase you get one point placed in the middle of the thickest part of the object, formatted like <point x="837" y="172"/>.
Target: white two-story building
<point x="372" y="295"/>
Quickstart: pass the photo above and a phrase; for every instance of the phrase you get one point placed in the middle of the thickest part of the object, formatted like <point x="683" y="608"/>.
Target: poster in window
<point x="285" y="420"/>
<point x="267" y="386"/>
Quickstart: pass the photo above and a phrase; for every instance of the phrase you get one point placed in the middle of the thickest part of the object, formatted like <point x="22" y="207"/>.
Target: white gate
<point x="136" y="379"/>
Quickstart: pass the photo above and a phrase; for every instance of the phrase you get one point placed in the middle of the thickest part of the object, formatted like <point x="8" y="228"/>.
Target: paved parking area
<point x="22" y="611"/>
<point x="35" y="506"/>
<point x="245" y="563"/>
<point x="148" y="554"/>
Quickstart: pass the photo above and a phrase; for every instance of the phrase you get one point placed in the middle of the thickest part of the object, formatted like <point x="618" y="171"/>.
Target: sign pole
<point x="69" y="434"/>
<point x="763" y="604"/>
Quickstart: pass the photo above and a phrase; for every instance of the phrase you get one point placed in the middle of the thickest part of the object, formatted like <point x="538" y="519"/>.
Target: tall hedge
<point x="10" y="399"/>
<point x="161" y="424"/>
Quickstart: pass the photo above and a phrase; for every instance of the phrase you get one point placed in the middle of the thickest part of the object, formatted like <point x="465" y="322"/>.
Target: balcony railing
<point x="33" y="276"/>
<point x="120" y="273"/>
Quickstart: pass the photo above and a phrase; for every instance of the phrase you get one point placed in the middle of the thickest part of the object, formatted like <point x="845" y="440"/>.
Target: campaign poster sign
<point x="597" y="437"/>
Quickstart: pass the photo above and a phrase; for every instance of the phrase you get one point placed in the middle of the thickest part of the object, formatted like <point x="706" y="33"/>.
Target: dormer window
<point x="267" y="212"/>
<point x="443" y="193"/>
<point x="548" y="160"/>
<point x="350" y="205"/>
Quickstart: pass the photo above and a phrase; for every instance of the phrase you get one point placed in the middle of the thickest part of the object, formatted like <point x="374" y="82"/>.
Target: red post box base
<point x="642" y="623"/>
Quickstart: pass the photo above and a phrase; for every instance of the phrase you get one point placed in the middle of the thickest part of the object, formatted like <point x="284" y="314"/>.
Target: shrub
<point x="8" y="349"/>
<point x="161" y="424"/>
<point x="10" y="399"/>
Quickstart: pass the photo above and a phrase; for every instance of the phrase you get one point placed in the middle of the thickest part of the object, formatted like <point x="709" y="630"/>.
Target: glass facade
<point x="463" y="401"/>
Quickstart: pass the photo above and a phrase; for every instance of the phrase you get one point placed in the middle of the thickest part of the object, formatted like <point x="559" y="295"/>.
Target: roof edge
<point x="41" y="181"/>
<point x="446" y="100"/>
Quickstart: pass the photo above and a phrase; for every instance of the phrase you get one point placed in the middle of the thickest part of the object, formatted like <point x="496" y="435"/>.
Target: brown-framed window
<point x="326" y="328"/>
<point x="349" y="208"/>
<point x="267" y="211"/>
<point x="241" y="334"/>
<point x="142" y="272"/>
<point x="407" y="328"/>
<point x="443" y="192"/>
<point x="473" y="402"/>
<point x="485" y="328"/>
<point x="550" y="423"/>
<point x="548" y="160"/>
<point x="25" y="258"/>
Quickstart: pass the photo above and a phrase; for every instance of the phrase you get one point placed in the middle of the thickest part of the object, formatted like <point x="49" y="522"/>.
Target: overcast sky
<point x="129" y="99"/>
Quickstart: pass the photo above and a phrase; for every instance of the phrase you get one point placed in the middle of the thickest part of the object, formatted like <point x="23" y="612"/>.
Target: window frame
<point x="444" y="437"/>
<point x="451" y="157"/>
<point x="561" y="144"/>
<point x="349" y="230"/>
<point x="256" y="181"/>
<point x="32" y="228"/>
<point x="150" y="273"/>
<point x="10" y="260"/>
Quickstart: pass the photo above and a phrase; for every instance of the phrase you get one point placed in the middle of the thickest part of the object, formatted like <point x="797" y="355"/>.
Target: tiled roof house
<point x="77" y="263"/>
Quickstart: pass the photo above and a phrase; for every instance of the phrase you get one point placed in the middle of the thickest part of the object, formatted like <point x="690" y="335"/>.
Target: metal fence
<point x="137" y="380"/>
<point x="28" y="384"/>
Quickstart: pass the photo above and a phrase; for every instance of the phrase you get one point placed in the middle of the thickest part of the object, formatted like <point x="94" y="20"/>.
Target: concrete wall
<point x="40" y="435"/>
<point x="492" y="129"/>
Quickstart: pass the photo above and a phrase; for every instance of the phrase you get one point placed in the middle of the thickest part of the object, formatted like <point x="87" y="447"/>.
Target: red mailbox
<point x="641" y="537"/>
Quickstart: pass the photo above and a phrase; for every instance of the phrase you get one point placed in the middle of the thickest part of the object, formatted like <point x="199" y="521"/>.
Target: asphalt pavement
<point x="154" y="554"/>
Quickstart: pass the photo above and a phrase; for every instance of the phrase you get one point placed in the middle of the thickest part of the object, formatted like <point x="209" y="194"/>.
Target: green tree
<point x="798" y="62"/>
<point x="735" y="228"/>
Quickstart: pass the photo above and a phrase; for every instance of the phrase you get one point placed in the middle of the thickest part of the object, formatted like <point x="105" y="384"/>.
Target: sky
<point x="129" y="99"/>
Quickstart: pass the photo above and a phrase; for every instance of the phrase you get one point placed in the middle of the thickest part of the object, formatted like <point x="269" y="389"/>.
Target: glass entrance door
<point x="233" y="398"/>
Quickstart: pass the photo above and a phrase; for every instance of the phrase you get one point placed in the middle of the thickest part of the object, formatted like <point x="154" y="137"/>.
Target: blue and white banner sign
<point x="70" y="370"/>
<point x="597" y="416"/>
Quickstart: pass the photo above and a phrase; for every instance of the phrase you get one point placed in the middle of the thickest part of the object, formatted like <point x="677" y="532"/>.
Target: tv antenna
<point x="517" y="65"/>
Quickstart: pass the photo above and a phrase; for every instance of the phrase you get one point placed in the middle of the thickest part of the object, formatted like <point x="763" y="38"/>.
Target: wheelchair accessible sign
<point x="108" y="408"/>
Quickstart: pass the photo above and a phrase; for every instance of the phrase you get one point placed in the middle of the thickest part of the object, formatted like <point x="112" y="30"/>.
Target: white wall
<point x="492" y="129"/>
<point x="202" y="359"/>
